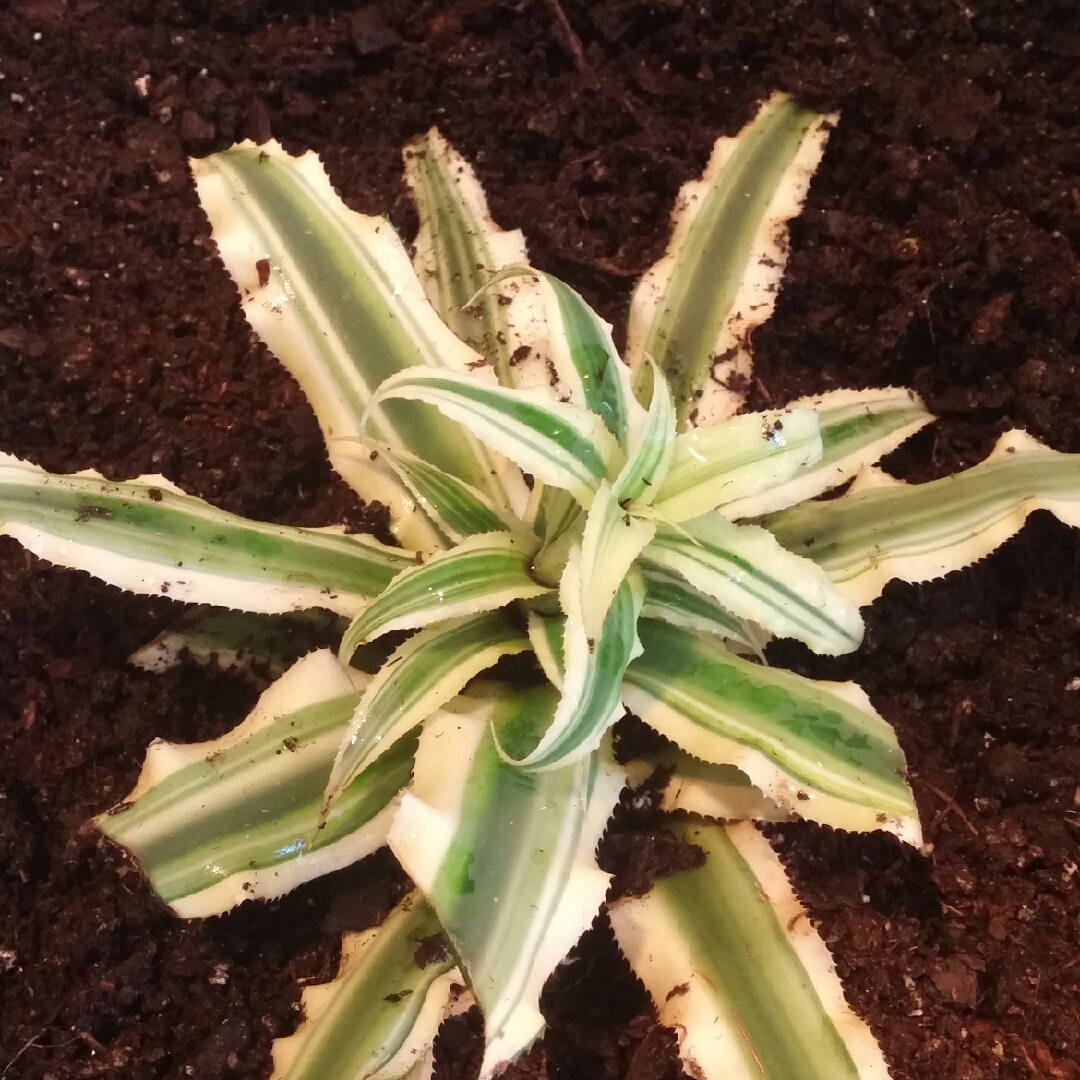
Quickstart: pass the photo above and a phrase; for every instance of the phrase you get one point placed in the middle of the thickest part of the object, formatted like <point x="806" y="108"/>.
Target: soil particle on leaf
<point x="938" y="249"/>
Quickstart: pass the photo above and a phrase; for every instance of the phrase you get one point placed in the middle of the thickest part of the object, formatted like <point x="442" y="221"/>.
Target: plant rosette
<point x="619" y="525"/>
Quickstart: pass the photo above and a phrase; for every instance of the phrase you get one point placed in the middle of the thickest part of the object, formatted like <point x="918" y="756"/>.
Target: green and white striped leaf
<point x="254" y="646"/>
<point x="610" y="544"/>
<point x="694" y="311"/>
<point x="564" y="347"/>
<point x="213" y="824"/>
<point x="590" y="700"/>
<point x="459" y="249"/>
<point x="456" y="509"/>
<point x="858" y="427"/>
<point x="649" y="448"/>
<point x="560" y="444"/>
<point x="560" y="520"/>
<point x="148" y="537"/>
<point x="736" y="460"/>
<point x="481" y="574"/>
<point x="334" y="296"/>
<point x="422" y="674"/>
<point x="733" y="964"/>
<point x="817" y="749"/>
<point x="744" y="569"/>
<point x="671" y="599"/>
<point x="506" y="858"/>
<point x="380" y="1014"/>
<point x="884" y="529"/>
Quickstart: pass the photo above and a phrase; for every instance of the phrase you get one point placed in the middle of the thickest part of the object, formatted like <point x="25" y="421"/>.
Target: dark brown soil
<point x="938" y="250"/>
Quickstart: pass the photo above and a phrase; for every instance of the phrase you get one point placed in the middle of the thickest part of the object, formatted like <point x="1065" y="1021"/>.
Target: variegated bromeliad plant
<point x="619" y="521"/>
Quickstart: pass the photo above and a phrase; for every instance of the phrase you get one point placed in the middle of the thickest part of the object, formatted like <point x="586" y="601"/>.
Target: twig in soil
<point x="31" y="1042"/>
<point x="573" y="42"/>
<point x="951" y="803"/>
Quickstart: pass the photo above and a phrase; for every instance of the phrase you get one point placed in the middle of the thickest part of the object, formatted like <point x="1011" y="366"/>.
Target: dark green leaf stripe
<point x="648" y="462"/>
<point x="255" y="804"/>
<point x="452" y="503"/>
<point x="476" y="576"/>
<point x="497" y="890"/>
<point x="594" y="358"/>
<point x="152" y="525"/>
<point x="376" y="1001"/>
<point x="711" y="266"/>
<point x="745" y="958"/>
<point x="672" y="600"/>
<point x="600" y="696"/>
<point x="596" y="702"/>
<point x="847" y="430"/>
<point x="460" y="253"/>
<point x="353" y="291"/>
<point x="808" y="732"/>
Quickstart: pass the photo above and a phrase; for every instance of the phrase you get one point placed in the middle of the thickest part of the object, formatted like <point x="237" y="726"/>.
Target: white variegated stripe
<point x="884" y="529"/>
<point x="745" y="570"/>
<point x="147" y="536"/>
<point x="858" y="427"/>
<point x="694" y="310"/>
<point x="546" y="638"/>
<point x="379" y="1016"/>
<point x="818" y="750"/>
<point x="424" y="672"/>
<point x="733" y="964"/>
<point x="213" y="824"/>
<point x="482" y="573"/>
<point x="719" y="792"/>
<point x="516" y="899"/>
<point x="530" y="337"/>
<point x="560" y="444"/>
<point x="736" y="460"/>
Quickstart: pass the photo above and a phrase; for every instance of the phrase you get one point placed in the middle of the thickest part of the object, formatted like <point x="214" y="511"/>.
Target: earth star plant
<point x="621" y="523"/>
